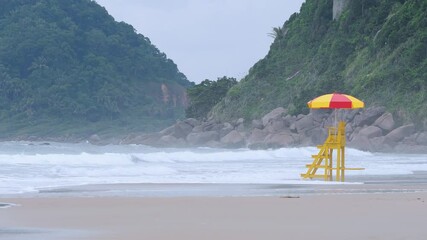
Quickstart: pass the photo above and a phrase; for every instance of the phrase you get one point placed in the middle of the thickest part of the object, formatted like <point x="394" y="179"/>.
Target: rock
<point x="348" y="129"/>
<point x="289" y="120"/>
<point x="256" y="139"/>
<point x="171" y="141"/>
<point x="360" y="142"/>
<point x="181" y="129"/>
<point x="167" y="131"/>
<point x="278" y="140"/>
<point x="385" y="122"/>
<point x="208" y="126"/>
<point x="405" y="148"/>
<point x="275" y="125"/>
<point x="145" y="139"/>
<point x="192" y="121"/>
<point x="257" y="123"/>
<point x="378" y="145"/>
<point x="233" y="139"/>
<point x="94" y="139"/>
<point x="226" y="129"/>
<point x="393" y="137"/>
<point x="214" y="144"/>
<point x="304" y="124"/>
<point x="240" y="125"/>
<point x="349" y="114"/>
<point x="276" y="113"/>
<point x="319" y="115"/>
<point x="371" y="132"/>
<point x="201" y="138"/>
<point x="422" y="139"/>
<point x="317" y="136"/>
<point x="368" y="116"/>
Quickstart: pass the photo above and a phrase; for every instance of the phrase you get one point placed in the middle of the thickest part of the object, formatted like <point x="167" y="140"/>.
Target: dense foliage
<point x="207" y="94"/>
<point x="376" y="50"/>
<point x="68" y="63"/>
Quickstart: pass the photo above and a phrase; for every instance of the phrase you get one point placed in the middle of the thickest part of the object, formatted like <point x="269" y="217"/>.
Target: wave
<point x="28" y="168"/>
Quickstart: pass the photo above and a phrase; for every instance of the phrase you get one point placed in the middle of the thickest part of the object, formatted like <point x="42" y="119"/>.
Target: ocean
<point x="33" y="167"/>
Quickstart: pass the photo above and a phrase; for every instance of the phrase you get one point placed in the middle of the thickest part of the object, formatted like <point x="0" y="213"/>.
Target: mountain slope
<point x="375" y="50"/>
<point x="67" y="67"/>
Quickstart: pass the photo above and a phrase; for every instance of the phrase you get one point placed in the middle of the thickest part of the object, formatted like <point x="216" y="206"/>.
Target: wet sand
<point x="333" y="216"/>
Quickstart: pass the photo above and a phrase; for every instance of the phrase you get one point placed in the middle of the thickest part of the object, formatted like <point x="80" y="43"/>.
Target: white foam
<point x="27" y="168"/>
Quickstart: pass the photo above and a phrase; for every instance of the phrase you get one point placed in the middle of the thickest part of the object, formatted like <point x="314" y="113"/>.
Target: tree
<point x="207" y="94"/>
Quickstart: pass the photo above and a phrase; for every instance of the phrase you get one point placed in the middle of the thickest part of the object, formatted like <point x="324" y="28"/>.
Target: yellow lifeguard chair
<point x="336" y="140"/>
<point x="324" y="159"/>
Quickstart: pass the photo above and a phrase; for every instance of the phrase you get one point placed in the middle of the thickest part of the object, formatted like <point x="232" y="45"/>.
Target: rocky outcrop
<point x="370" y="129"/>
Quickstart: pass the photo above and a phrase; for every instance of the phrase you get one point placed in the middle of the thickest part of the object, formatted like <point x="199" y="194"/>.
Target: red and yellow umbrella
<point x="335" y="100"/>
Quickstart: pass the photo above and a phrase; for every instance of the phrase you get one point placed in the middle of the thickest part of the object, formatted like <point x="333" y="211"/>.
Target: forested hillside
<point x="375" y="50"/>
<point x="67" y="67"/>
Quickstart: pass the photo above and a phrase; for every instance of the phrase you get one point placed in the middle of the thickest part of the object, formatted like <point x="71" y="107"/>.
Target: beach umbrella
<point x="335" y="101"/>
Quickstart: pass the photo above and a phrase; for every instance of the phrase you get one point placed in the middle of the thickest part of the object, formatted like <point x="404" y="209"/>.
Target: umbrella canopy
<point x="336" y="100"/>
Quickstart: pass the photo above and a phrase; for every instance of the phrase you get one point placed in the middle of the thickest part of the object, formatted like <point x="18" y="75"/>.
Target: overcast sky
<point x="207" y="39"/>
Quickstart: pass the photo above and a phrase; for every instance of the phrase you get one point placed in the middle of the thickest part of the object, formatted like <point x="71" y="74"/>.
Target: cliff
<point x="375" y="50"/>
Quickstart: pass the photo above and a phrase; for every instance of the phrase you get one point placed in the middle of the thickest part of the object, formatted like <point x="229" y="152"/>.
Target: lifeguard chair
<point x="335" y="141"/>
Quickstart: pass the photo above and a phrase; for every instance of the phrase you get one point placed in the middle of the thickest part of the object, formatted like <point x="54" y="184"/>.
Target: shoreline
<point x="353" y="216"/>
<point x="362" y="184"/>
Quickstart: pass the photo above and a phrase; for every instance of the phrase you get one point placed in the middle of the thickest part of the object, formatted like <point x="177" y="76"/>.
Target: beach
<point x="398" y="213"/>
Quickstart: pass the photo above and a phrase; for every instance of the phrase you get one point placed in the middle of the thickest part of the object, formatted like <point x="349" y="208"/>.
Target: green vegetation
<point x="376" y="50"/>
<point x="207" y="94"/>
<point x="66" y="67"/>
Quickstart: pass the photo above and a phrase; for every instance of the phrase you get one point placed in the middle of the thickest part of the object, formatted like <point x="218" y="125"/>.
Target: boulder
<point x="276" y="113"/>
<point x="289" y="120"/>
<point x="256" y="139"/>
<point x="240" y="125"/>
<point x="278" y="140"/>
<point x="371" y="132"/>
<point x="94" y="139"/>
<point x="233" y="139"/>
<point x="348" y="114"/>
<point x="167" y="131"/>
<point x="208" y="126"/>
<point x="275" y="125"/>
<point x="317" y="136"/>
<point x="398" y="134"/>
<point x="171" y="141"/>
<point x="227" y="128"/>
<point x="192" y="121"/>
<point x="181" y="129"/>
<point x="405" y="148"/>
<point x="378" y="145"/>
<point x="304" y="124"/>
<point x="257" y="123"/>
<point x="200" y="138"/>
<point x="421" y="139"/>
<point x="385" y="122"/>
<point x="368" y="116"/>
<point x="146" y="139"/>
<point x="360" y="142"/>
<point x="348" y="129"/>
<point x="319" y="115"/>
<point x="214" y="144"/>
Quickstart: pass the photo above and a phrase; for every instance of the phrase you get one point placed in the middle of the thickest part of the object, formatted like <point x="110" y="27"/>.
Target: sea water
<point x="28" y="167"/>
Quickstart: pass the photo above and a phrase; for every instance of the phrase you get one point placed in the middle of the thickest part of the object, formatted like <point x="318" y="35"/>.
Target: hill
<point x="68" y="68"/>
<point x="373" y="49"/>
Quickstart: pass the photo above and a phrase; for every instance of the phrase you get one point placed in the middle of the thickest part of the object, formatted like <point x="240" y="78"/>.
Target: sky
<point x="207" y="39"/>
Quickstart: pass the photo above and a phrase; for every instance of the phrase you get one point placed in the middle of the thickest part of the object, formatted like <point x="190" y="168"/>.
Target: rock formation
<point x="370" y="129"/>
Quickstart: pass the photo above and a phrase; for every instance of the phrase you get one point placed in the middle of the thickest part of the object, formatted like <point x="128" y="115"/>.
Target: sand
<point x="387" y="216"/>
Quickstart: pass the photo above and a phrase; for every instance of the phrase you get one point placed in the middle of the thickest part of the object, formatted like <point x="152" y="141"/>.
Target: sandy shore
<point x="356" y="216"/>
